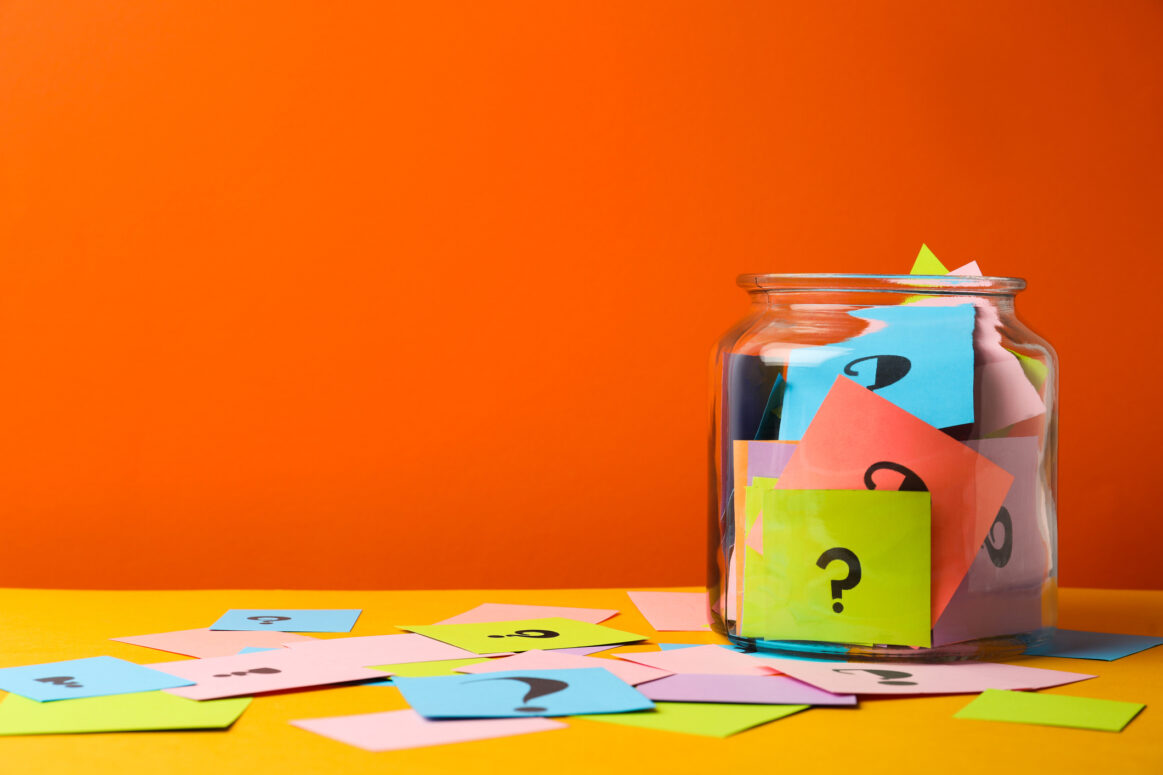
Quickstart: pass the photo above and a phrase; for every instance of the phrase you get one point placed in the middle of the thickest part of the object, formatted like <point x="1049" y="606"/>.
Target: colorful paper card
<point x="706" y="660"/>
<point x="765" y="458"/>
<point x="843" y="566"/>
<point x="860" y="441"/>
<point x="507" y="612"/>
<point x="908" y="678"/>
<point x="289" y="619"/>
<point x="368" y="650"/>
<point x="744" y="689"/>
<point x="927" y="263"/>
<point x="523" y="635"/>
<point x="1054" y="710"/>
<point x="396" y="730"/>
<point x="1105" y="646"/>
<point x="630" y="672"/>
<point x="146" y="711"/>
<point x="1002" y="592"/>
<point x="585" y="651"/>
<point x="967" y="270"/>
<point x="920" y="358"/>
<point x="211" y="643"/>
<point x="89" y="677"/>
<point x="749" y="539"/>
<point x="426" y="669"/>
<point x="268" y="671"/>
<point x="673" y="611"/>
<point x="706" y="719"/>
<point x="522" y="693"/>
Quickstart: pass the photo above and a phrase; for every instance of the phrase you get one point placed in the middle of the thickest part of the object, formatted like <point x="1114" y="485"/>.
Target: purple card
<point x="740" y="689"/>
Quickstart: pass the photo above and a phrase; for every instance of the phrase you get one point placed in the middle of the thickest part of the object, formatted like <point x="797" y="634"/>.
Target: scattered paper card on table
<point x="145" y="711"/>
<point x="396" y="730"/>
<point x="425" y="669"/>
<point x="907" y="678"/>
<point x="702" y="718"/>
<point x="630" y="672"/>
<point x="1105" y="646"/>
<point x="741" y="689"/>
<point x="707" y="660"/>
<point x="369" y="650"/>
<point x="507" y="612"/>
<point x="205" y="642"/>
<point x="289" y="619"/>
<point x="673" y="611"/>
<point x="521" y="693"/>
<point x="919" y="358"/>
<point x="523" y="634"/>
<point x="89" y="677"/>
<point x="847" y="566"/>
<point x="859" y="441"/>
<point x="268" y="671"/>
<point x="1054" y="710"/>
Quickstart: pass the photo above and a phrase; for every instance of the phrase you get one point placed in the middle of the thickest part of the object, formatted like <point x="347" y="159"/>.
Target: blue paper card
<point x="253" y="649"/>
<point x="919" y="358"/>
<point x="1107" y="646"/>
<point x="516" y="693"/>
<point x="289" y="619"/>
<point x="90" y="677"/>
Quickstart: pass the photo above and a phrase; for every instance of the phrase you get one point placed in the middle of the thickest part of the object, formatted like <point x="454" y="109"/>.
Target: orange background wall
<point x="368" y="294"/>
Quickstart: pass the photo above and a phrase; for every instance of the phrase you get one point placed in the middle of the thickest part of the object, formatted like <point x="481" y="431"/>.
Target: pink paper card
<point x="381" y="650"/>
<point x="630" y="672"/>
<point x="212" y="643"/>
<point x="907" y="678"/>
<point x="506" y="612"/>
<point x="260" y="672"/>
<point x="705" y="660"/>
<point x="741" y="689"/>
<point x="858" y="440"/>
<point x="396" y="730"/>
<point x="1002" y="593"/>
<point x="673" y="611"/>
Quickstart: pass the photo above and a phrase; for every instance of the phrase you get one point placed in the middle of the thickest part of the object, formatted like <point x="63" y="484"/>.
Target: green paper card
<point x="841" y="566"/>
<point x="145" y="711"/>
<point x="1055" y="710"/>
<point x="709" y="719"/>
<point x="524" y="635"/>
<point x="428" y="669"/>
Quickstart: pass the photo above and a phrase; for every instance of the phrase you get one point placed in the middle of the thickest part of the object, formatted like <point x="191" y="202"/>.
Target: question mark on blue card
<point x="538" y="687"/>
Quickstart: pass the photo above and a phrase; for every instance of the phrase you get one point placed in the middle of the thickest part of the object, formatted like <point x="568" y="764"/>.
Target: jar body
<point x="883" y="470"/>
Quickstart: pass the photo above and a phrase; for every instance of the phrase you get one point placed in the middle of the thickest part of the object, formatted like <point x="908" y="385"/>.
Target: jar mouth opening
<point x="955" y="285"/>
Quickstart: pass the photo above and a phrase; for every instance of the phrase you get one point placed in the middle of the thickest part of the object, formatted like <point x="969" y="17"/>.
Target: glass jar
<point x="883" y="470"/>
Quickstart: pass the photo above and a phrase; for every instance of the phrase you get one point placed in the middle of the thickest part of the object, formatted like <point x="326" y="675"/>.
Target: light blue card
<point x="289" y="619"/>
<point x="90" y="677"/>
<point x="253" y="649"/>
<point x="919" y="358"/>
<point x="516" y="693"/>
<point x="1107" y="646"/>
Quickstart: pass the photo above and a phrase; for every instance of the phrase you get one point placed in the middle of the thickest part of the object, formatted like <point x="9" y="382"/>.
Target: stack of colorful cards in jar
<point x="902" y="499"/>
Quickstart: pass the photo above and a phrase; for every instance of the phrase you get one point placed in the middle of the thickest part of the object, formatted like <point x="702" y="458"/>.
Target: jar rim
<point x="892" y="283"/>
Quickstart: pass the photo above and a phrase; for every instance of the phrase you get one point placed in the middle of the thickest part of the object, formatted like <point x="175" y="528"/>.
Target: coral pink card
<point x="630" y="672"/>
<point x="713" y="660"/>
<point x="212" y="643"/>
<point x="858" y="440"/>
<point x="258" y="672"/>
<point x="395" y="730"/>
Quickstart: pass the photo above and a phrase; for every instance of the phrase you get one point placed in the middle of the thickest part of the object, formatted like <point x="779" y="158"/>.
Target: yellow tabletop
<point x="898" y="736"/>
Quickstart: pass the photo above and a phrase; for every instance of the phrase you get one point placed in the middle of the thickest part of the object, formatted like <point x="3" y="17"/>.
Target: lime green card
<point x="144" y="711"/>
<point x="1057" y="710"/>
<point x="709" y="719"/>
<point x="843" y="566"/>
<point x="524" y="635"/>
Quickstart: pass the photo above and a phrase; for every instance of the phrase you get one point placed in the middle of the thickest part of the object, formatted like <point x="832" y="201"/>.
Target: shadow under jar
<point x="883" y="470"/>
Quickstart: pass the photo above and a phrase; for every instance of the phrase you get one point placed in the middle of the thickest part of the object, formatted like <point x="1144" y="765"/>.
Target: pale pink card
<point x="212" y="643"/>
<point x="630" y="672"/>
<point x="908" y="678"/>
<point x="395" y="730"/>
<point x="260" y="672"/>
<point x="705" y="660"/>
<point x="673" y="611"/>
<point x="507" y="612"/>
<point x="858" y="440"/>
<point x="370" y="650"/>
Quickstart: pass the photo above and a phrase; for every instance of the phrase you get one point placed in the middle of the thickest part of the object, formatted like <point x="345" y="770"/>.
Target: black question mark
<point x="260" y="670"/>
<point x="1000" y="555"/>
<point x="61" y="680"/>
<point x="538" y="687"/>
<point x="889" y="677"/>
<point x="530" y="634"/>
<point x="889" y="369"/>
<point x="272" y="619"/>
<point x="848" y="582"/>
<point x="911" y="482"/>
